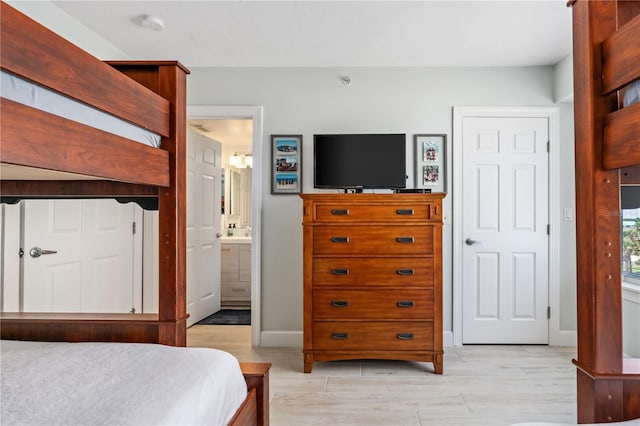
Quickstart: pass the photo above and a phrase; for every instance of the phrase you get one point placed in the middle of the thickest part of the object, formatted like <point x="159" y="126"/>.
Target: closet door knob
<point x="37" y="252"/>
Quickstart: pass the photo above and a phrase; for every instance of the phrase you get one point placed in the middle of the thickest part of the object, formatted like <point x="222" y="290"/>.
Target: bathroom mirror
<point x="238" y="196"/>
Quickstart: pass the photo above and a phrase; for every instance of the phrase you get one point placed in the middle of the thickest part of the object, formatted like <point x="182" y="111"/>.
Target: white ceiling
<point x="235" y="133"/>
<point x="329" y="33"/>
<point x="335" y="33"/>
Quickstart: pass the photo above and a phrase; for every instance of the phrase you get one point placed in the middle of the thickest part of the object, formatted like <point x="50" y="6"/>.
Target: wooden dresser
<point x="372" y="277"/>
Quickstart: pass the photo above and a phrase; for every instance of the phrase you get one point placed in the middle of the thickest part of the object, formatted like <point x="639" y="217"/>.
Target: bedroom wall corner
<point x="60" y="22"/>
<point x="563" y="80"/>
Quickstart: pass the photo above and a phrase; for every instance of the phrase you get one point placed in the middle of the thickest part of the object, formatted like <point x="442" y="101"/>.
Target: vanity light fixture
<point x="241" y="161"/>
<point x="236" y="160"/>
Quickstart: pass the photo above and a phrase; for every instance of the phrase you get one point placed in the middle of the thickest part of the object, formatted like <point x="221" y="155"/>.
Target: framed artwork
<point x="430" y="156"/>
<point x="286" y="170"/>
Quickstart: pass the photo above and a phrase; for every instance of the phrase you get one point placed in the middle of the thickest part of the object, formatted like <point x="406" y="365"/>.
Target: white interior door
<point x="203" y="226"/>
<point x="504" y="228"/>
<point x="79" y="256"/>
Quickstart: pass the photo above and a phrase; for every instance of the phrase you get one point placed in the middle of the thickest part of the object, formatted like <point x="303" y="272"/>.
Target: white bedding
<point x="59" y="383"/>
<point x="25" y="92"/>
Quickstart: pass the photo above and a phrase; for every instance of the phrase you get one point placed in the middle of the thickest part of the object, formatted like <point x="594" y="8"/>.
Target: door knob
<point x="218" y="234"/>
<point x="37" y="252"/>
<point x="470" y="242"/>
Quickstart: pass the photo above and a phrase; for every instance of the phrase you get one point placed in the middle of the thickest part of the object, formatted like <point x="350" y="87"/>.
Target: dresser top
<point x="369" y="197"/>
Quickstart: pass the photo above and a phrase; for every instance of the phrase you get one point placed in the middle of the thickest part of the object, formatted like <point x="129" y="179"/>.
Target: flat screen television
<point x="359" y="161"/>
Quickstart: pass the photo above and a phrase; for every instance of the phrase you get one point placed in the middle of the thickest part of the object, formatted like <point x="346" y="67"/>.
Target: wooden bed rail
<point x="60" y="327"/>
<point x="621" y="139"/>
<point x="621" y="55"/>
<point x="621" y="66"/>
<point x="99" y="154"/>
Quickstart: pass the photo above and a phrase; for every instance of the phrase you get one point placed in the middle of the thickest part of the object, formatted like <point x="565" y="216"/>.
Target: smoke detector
<point x="152" y="22"/>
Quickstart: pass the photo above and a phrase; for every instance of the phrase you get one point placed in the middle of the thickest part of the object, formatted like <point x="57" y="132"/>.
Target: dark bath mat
<point x="229" y="317"/>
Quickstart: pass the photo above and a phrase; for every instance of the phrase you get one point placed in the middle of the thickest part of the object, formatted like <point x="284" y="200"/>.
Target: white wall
<point x="307" y="101"/>
<point x="407" y="100"/>
<point x="631" y="323"/>
<point x="60" y="22"/>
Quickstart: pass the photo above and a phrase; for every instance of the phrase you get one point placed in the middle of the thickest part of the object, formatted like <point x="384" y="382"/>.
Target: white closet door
<point x="504" y="220"/>
<point x="79" y="256"/>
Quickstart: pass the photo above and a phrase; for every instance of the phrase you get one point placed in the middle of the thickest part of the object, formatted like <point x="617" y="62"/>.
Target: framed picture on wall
<point x="286" y="168"/>
<point x="430" y="160"/>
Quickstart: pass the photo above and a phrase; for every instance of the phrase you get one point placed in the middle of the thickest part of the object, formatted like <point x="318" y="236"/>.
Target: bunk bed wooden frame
<point x="606" y="52"/>
<point x="86" y="162"/>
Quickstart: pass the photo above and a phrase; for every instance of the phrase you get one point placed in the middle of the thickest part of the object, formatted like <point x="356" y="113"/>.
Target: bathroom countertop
<point x="236" y="239"/>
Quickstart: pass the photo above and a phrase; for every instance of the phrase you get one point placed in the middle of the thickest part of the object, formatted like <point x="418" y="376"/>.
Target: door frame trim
<point x="255" y="114"/>
<point x="556" y="336"/>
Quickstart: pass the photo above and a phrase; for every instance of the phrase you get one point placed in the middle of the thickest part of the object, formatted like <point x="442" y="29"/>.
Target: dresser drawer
<point x="372" y="335"/>
<point x="379" y="304"/>
<point x="374" y="239"/>
<point x="376" y="212"/>
<point x="370" y="272"/>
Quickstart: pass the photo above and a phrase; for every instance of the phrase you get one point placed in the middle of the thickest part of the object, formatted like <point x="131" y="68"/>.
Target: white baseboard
<point x="281" y="339"/>
<point x="447" y="338"/>
<point x="563" y="338"/>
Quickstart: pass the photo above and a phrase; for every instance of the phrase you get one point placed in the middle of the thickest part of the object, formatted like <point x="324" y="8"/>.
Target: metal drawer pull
<point x="405" y="212"/>
<point x="404" y="303"/>
<point x="404" y="271"/>
<point x="340" y="212"/>
<point x="404" y="239"/>
<point x="339" y="272"/>
<point x="339" y="336"/>
<point x="404" y="336"/>
<point x="340" y="303"/>
<point x="339" y="239"/>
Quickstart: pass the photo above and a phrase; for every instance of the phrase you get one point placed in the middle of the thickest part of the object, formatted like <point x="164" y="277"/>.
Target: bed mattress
<point x="27" y="93"/>
<point x="58" y="383"/>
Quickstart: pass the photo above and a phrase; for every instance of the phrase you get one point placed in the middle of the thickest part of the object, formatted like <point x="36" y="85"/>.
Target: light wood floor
<point x="481" y="385"/>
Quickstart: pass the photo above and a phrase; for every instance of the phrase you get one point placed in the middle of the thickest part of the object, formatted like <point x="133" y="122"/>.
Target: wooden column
<point x="600" y="382"/>
<point x="168" y="79"/>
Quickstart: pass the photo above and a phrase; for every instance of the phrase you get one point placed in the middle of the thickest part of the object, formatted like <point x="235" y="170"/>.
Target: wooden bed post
<point x="601" y="393"/>
<point x="168" y="79"/>
<point x="172" y="227"/>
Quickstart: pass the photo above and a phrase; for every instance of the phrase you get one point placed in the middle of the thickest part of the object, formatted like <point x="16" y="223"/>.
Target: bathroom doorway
<point x="239" y="130"/>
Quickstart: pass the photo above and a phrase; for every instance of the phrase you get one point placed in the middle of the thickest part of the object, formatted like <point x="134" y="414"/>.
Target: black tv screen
<point x="359" y="161"/>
